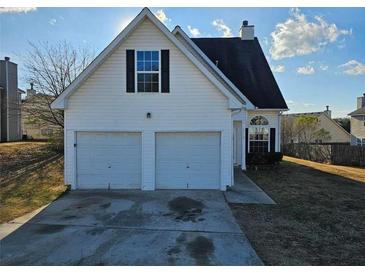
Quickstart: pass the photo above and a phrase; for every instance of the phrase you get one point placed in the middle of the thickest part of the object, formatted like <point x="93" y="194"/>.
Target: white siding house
<point x="151" y="140"/>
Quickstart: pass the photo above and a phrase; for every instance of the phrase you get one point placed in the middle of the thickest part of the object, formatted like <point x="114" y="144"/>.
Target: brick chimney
<point x="247" y="32"/>
<point x="361" y="101"/>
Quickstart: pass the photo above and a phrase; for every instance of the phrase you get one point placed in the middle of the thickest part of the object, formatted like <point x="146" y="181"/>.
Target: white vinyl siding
<point x="193" y="104"/>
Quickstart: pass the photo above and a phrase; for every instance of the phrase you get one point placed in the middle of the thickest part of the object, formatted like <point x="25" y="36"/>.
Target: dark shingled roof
<point x="244" y="63"/>
<point x="360" y="111"/>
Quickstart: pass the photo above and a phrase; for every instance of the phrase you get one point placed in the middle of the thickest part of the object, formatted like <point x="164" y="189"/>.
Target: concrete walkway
<point x="9" y="227"/>
<point x="245" y="191"/>
<point x="131" y="228"/>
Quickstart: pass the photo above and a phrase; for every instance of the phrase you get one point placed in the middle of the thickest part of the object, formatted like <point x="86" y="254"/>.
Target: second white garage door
<point x="108" y="160"/>
<point x="188" y="160"/>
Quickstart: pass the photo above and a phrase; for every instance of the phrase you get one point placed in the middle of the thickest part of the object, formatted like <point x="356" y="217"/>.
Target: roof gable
<point x="358" y="112"/>
<point x="178" y="32"/>
<point x="61" y="101"/>
<point x="320" y="114"/>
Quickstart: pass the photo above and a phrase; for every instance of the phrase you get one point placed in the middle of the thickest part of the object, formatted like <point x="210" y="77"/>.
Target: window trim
<point x="267" y="126"/>
<point x="136" y="70"/>
<point x="268" y="137"/>
<point x="261" y="124"/>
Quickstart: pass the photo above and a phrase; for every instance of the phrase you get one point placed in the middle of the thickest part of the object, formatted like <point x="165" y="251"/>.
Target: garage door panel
<point x="188" y="160"/>
<point x="108" y="160"/>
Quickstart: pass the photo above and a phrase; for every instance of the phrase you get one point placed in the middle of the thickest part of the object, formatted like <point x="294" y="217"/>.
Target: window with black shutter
<point x="130" y="70"/>
<point x="165" y="71"/>
<point x="272" y="139"/>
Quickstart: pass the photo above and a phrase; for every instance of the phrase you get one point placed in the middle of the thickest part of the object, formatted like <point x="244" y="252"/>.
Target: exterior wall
<point x="273" y="116"/>
<point x="338" y="134"/>
<point x="243" y="118"/>
<point x="193" y="104"/>
<point x="10" y="108"/>
<point x="357" y="129"/>
<point x="14" y="103"/>
<point x="32" y="128"/>
<point x="3" y="108"/>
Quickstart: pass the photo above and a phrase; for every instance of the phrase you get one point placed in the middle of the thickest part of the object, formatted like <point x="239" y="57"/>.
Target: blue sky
<point x="317" y="54"/>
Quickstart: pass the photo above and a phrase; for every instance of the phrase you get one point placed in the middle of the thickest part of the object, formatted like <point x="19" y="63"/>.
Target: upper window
<point x="148" y="71"/>
<point x="259" y="121"/>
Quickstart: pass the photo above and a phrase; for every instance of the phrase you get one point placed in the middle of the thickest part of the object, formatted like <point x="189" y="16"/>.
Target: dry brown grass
<point x="354" y="173"/>
<point x="16" y="155"/>
<point x="319" y="218"/>
<point x="31" y="191"/>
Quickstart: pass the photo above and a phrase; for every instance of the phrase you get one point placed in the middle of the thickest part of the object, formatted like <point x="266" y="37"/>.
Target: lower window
<point x="258" y="139"/>
<point x="147" y="82"/>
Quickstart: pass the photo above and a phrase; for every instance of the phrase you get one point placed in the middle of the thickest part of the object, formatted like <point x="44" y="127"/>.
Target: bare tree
<point x="308" y="131"/>
<point x="287" y="130"/>
<point x="51" y="68"/>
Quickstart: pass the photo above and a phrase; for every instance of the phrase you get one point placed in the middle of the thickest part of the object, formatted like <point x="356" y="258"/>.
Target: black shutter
<point x="272" y="139"/>
<point x="246" y="143"/>
<point x="165" y="71"/>
<point x="130" y="70"/>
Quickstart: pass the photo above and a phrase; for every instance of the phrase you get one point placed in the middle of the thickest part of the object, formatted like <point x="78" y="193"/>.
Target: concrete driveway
<point x="131" y="228"/>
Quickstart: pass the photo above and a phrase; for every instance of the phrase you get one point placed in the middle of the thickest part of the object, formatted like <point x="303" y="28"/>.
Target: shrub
<point x="264" y="158"/>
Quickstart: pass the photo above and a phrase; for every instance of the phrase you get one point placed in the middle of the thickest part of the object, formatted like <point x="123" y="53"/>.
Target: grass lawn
<point x="16" y="155"/>
<point x="31" y="191"/>
<point x="319" y="218"/>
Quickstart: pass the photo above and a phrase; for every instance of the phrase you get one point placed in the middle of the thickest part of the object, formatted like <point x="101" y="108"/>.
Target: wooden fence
<point x="338" y="154"/>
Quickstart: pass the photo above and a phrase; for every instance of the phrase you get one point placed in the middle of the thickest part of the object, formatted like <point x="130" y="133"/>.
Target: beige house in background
<point x="358" y="123"/>
<point x="32" y="128"/>
<point x="337" y="132"/>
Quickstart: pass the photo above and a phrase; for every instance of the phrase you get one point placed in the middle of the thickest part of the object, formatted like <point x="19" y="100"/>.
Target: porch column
<point x="243" y="139"/>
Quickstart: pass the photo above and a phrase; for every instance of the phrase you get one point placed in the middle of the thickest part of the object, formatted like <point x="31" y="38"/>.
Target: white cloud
<point x="296" y="36"/>
<point x="52" y="21"/>
<point x="16" y="10"/>
<point x="161" y="15"/>
<point x="222" y="27"/>
<point x="194" y="31"/>
<point x="308" y="104"/>
<point x="323" y="67"/>
<point x="278" y="68"/>
<point x="306" y="70"/>
<point x="353" y="67"/>
<point x="291" y="102"/>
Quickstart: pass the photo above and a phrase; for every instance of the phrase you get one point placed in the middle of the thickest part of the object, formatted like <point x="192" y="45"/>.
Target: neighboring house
<point x="32" y="127"/>
<point x="358" y="123"/>
<point x="337" y="133"/>
<point x="158" y="110"/>
<point x="10" y="100"/>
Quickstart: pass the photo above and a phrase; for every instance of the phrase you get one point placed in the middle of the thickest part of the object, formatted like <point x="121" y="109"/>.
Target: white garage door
<point x="108" y="160"/>
<point x="188" y="160"/>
